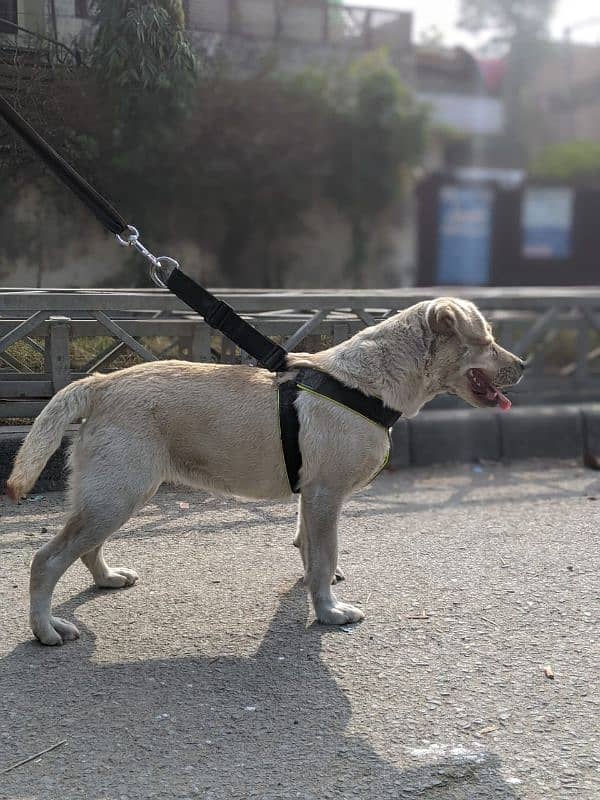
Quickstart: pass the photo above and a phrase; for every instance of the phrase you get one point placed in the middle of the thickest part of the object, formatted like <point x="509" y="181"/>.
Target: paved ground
<point x="209" y="678"/>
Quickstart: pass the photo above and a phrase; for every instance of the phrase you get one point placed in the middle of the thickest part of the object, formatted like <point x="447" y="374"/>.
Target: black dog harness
<point x="322" y="385"/>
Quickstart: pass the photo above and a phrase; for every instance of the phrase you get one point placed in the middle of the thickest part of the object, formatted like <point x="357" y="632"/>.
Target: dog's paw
<point x="338" y="576"/>
<point x="118" y="578"/>
<point x="54" y="631"/>
<point x="339" y="614"/>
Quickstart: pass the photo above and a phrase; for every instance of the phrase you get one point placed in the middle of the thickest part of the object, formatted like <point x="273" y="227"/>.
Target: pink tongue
<point x="501" y="399"/>
<point x="503" y="402"/>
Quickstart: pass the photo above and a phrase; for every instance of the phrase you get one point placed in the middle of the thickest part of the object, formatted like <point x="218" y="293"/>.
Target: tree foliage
<point x="141" y="44"/>
<point x="569" y="161"/>
<point x="378" y="135"/>
<point x="251" y="156"/>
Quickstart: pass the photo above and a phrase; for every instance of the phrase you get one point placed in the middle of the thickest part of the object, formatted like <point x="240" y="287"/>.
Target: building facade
<point x="291" y="35"/>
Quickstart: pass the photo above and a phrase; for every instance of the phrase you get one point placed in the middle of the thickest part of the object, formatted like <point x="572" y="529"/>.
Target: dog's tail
<point x="45" y="436"/>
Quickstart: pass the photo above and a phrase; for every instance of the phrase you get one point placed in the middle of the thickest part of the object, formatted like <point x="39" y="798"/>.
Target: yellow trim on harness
<point x="358" y="414"/>
<point x="386" y="460"/>
<point x="340" y="405"/>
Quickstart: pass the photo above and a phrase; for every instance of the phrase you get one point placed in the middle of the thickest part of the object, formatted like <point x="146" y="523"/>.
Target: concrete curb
<point x="432" y="437"/>
<point x="53" y="478"/>
<point x="438" y="437"/>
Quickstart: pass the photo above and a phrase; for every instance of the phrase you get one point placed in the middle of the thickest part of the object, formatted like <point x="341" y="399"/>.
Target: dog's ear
<point x="446" y="317"/>
<point x="451" y="317"/>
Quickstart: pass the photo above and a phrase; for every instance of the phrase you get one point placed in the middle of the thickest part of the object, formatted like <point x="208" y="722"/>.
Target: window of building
<point x="82" y="9"/>
<point x="547" y="222"/>
<point x="8" y="13"/>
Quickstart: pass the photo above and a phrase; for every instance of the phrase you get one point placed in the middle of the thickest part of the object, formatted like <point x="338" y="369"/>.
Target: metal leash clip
<point x="159" y="273"/>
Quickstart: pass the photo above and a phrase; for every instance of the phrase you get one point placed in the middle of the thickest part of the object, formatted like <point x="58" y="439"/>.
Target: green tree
<point x="379" y="135"/>
<point x="142" y="44"/>
<point x="146" y="73"/>
<point x="257" y="151"/>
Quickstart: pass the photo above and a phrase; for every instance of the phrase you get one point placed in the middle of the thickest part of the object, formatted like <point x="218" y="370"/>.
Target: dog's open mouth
<point x="485" y="392"/>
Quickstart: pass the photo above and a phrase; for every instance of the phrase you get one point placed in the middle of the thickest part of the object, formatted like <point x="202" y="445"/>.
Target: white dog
<point x="215" y="427"/>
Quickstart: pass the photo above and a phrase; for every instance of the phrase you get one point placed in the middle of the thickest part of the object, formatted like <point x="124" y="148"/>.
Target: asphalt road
<point x="210" y="679"/>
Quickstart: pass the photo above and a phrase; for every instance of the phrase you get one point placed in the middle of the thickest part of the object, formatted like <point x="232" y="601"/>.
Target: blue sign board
<point x="546" y="221"/>
<point x="465" y="230"/>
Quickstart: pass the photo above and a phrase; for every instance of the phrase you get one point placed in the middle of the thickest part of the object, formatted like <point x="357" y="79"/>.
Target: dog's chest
<point x="339" y="446"/>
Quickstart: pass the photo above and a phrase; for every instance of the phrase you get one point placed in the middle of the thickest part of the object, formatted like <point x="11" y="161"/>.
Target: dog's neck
<point x="382" y="361"/>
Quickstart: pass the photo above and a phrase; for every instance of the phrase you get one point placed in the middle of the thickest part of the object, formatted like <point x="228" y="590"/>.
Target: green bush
<point x="569" y="161"/>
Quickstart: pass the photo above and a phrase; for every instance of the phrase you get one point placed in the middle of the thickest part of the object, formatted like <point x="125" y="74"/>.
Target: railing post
<point x="341" y="332"/>
<point x="582" y="349"/>
<point x="47" y="360"/>
<point x="227" y="350"/>
<point x="278" y="14"/>
<point x="325" y="29"/>
<point x="368" y="29"/>
<point x="59" y="336"/>
<point x="234" y="16"/>
<point x="201" y="343"/>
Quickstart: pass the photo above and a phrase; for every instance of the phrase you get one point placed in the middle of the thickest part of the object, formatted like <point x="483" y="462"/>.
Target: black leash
<point x="222" y="317"/>
<point x="98" y="205"/>
<point x="164" y="271"/>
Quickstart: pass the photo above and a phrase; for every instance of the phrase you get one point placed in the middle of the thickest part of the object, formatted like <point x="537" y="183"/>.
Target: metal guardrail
<point x="41" y="332"/>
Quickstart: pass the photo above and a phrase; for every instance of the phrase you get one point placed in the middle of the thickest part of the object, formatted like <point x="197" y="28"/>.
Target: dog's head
<point x="465" y="359"/>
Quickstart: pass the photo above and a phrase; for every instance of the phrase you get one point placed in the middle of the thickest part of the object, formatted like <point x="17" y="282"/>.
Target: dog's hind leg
<point x="82" y="537"/>
<point x="83" y="534"/>
<point x="107" y="488"/>
<point x="48" y="564"/>
<point x="319" y="512"/>
<point x="107" y="577"/>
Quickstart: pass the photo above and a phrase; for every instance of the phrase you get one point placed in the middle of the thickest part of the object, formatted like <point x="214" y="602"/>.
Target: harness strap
<point x="322" y="385"/>
<point x="373" y="408"/>
<point x="289" y="429"/>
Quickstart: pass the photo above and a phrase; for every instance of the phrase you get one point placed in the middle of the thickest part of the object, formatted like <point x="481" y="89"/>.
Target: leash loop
<point x="157" y="276"/>
<point x="133" y="236"/>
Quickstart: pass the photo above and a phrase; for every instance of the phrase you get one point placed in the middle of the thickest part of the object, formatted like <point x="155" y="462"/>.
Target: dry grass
<point x="85" y="349"/>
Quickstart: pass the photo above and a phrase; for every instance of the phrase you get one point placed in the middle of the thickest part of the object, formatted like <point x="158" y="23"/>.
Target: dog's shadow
<point x="271" y="725"/>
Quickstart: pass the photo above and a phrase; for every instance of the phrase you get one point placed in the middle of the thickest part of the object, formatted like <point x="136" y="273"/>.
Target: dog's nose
<point x="522" y="363"/>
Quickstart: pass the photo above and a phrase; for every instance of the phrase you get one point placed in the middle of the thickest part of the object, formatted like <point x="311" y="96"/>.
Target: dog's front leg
<point x="300" y="539"/>
<point x="317" y="526"/>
